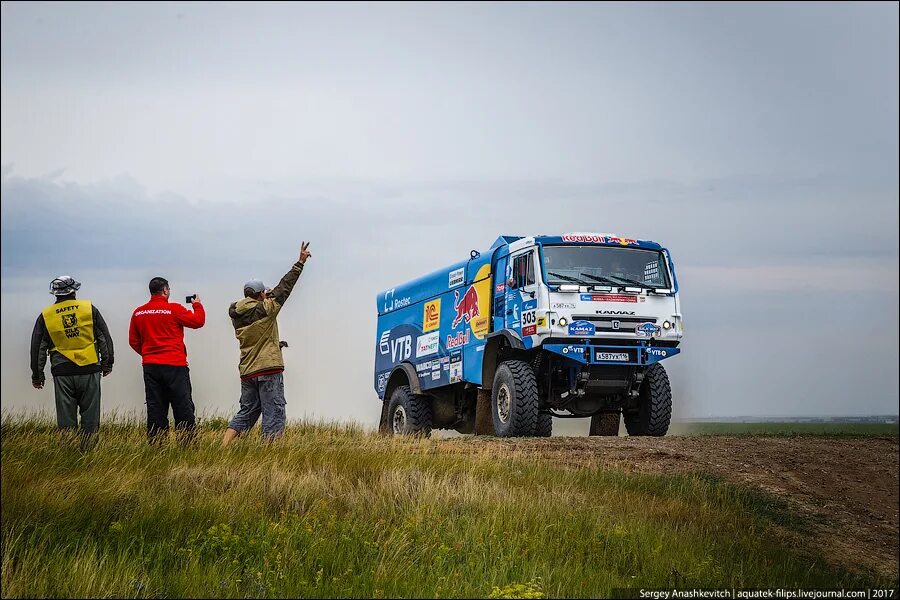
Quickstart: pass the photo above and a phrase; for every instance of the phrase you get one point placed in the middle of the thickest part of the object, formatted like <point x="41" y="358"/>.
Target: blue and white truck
<point x="572" y="325"/>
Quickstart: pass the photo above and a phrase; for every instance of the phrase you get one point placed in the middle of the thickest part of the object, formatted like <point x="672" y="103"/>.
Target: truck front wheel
<point x="654" y="404"/>
<point x="544" y="425"/>
<point x="514" y="399"/>
<point x="409" y="414"/>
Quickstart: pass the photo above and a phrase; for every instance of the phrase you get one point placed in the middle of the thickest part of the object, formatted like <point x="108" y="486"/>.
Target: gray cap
<point x="64" y="285"/>
<point x="256" y="285"/>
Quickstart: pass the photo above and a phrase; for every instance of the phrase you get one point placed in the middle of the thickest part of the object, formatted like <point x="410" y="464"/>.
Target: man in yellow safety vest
<point x="77" y="340"/>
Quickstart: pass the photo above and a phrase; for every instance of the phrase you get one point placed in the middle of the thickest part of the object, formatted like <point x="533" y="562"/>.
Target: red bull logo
<point x="460" y="339"/>
<point x="466" y="306"/>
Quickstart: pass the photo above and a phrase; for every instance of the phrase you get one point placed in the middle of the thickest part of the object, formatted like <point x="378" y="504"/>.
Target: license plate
<point x="616" y="356"/>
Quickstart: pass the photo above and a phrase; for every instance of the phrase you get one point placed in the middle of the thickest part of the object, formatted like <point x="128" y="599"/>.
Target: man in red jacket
<point x="157" y="334"/>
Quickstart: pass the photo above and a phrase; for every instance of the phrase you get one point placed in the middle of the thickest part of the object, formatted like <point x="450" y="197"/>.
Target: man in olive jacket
<point x="261" y="367"/>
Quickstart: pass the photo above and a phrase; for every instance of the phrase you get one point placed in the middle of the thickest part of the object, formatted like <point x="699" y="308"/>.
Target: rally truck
<point x="572" y="325"/>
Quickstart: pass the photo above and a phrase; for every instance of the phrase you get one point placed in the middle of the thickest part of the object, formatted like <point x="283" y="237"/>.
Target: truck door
<point x="521" y="295"/>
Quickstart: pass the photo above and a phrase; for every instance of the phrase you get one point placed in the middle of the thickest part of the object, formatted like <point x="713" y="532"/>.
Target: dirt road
<point x="848" y="485"/>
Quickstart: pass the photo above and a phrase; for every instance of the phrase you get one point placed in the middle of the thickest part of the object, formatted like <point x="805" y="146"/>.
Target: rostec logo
<point x="383" y="342"/>
<point x="401" y="348"/>
<point x="466" y="307"/>
<point x="431" y="316"/>
<point x="390" y="303"/>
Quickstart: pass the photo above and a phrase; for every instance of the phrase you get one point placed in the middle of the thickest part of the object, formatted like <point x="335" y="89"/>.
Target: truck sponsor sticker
<point x="587" y="239"/>
<point x="455" y="371"/>
<point x="656" y="352"/>
<point x="401" y="348"/>
<point x="435" y="375"/>
<point x="383" y="346"/>
<point x="529" y="318"/>
<point x="460" y="339"/>
<point x="598" y="239"/>
<point x="457" y="277"/>
<point x="392" y="303"/>
<point x="573" y="349"/>
<point x="431" y="315"/>
<point x="612" y="356"/>
<point x="466" y="306"/>
<point x="647" y="329"/>
<point x="582" y="328"/>
<point x="382" y="381"/>
<point x="427" y="344"/>
<point x="608" y="298"/>
<point x="480" y="326"/>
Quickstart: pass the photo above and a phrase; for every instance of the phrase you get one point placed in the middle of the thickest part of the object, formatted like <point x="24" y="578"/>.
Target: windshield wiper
<point x="633" y="282"/>
<point x="600" y="279"/>
<point x="567" y="278"/>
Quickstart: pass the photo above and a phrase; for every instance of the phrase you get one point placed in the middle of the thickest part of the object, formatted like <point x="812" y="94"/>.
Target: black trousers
<point x="167" y="385"/>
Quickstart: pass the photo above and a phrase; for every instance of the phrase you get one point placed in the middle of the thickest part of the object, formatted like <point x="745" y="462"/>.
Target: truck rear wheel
<point x="514" y="399"/>
<point x="544" y="425"/>
<point x="654" y="404"/>
<point x="408" y="413"/>
<point x="605" y="424"/>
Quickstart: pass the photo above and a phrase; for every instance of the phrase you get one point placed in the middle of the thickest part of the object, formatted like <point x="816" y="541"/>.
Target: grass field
<point x="333" y="511"/>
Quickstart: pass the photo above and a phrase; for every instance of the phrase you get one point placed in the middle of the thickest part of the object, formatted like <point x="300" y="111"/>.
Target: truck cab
<point x="532" y="329"/>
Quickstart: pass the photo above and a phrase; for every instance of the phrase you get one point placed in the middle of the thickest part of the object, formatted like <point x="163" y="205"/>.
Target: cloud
<point x="776" y="323"/>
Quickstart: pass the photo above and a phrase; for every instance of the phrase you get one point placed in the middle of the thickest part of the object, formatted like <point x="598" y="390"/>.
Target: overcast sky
<point x="202" y="142"/>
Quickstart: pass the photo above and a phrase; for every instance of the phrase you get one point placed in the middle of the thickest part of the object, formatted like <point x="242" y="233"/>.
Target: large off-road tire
<point x="514" y="399"/>
<point x="408" y="413"/>
<point x="605" y="424"/>
<point x="654" y="404"/>
<point x="544" y="425"/>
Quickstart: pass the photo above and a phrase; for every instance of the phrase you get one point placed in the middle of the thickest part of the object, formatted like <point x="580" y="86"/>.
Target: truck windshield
<point x="605" y="265"/>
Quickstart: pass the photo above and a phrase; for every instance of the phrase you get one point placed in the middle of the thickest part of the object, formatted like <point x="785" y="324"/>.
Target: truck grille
<point x="614" y="324"/>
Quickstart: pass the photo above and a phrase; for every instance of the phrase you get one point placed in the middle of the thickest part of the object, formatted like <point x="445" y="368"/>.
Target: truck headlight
<point x="563" y="322"/>
<point x="667" y="325"/>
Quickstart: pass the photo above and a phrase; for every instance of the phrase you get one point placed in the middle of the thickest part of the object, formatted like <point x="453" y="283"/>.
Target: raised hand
<point x="304" y="251"/>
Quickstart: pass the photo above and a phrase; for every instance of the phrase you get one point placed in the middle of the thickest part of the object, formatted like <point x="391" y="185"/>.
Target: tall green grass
<point x="333" y="511"/>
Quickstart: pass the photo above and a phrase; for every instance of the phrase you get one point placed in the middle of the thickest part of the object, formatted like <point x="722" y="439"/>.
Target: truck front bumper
<point x="612" y="355"/>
